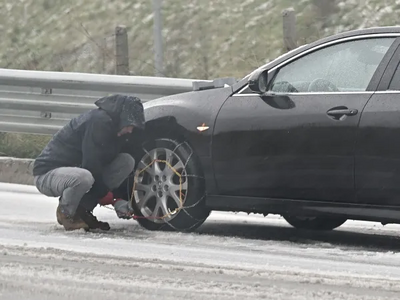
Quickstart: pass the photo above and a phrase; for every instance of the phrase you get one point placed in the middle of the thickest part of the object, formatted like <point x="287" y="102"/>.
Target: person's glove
<point x="123" y="209"/>
<point x="107" y="199"/>
<point x="121" y="206"/>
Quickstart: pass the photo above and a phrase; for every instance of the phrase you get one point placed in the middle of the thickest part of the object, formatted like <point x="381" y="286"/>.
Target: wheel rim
<point x="160" y="185"/>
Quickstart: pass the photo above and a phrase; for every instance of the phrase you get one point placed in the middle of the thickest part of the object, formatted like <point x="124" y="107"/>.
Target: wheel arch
<point x="167" y="127"/>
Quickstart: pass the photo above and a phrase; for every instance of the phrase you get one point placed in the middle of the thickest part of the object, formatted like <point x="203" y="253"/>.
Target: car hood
<point x="192" y="97"/>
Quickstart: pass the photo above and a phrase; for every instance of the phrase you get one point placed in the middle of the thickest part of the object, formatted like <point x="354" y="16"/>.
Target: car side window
<point x="345" y="67"/>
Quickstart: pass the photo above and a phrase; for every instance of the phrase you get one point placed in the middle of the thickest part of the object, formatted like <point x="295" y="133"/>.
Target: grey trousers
<point x="72" y="183"/>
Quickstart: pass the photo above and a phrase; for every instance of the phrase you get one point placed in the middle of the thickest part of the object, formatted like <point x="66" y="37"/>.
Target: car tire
<point x="315" y="223"/>
<point x="193" y="212"/>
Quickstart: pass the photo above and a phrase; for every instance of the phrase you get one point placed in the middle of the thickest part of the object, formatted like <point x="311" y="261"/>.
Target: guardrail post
<point x="121" y="51"/>
<point x="289" y="29"/>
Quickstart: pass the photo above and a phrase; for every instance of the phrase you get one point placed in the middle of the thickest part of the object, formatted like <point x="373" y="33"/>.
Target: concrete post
<point x="158" y="41"/>
<point x="121" y="51"/>
<point x="289" y="29"/>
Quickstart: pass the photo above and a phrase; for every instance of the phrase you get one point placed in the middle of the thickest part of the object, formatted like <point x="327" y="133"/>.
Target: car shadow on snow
<point x="345" y="238"/>
<point x="339" y="238"/>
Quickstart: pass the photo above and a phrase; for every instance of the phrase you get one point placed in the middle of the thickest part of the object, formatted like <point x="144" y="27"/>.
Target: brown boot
<point x="59" y="216"/>
<point x="58" y="212"/>
<point x="91" y="220"/>
<point x="70" y="223"/>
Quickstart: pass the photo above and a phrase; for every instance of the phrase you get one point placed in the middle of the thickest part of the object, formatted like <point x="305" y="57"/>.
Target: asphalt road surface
<point x="232" y="256"/>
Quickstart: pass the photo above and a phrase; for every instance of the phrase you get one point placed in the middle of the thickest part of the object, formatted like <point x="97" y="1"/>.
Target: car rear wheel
<point x="169" y="187"/>
<point x="314" y="223"/>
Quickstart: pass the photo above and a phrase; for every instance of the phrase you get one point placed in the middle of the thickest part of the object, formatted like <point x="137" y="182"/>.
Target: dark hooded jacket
<point x="90" y="140"/>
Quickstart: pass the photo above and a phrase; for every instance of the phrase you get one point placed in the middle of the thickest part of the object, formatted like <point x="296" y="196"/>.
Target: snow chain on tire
<point x="182" y="201"/>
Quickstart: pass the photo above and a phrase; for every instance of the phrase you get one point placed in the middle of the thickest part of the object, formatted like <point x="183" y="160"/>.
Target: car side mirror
<point x="258" y="82"/>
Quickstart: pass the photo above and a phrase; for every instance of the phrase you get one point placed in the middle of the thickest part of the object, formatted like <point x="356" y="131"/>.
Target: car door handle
<point x="342" y="112"/>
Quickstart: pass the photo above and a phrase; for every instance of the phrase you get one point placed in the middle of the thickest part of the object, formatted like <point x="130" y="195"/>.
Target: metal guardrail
<point x="41" y="102"/>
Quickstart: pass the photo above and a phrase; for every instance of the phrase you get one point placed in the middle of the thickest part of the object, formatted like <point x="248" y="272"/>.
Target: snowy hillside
<point x="203" y="38"/>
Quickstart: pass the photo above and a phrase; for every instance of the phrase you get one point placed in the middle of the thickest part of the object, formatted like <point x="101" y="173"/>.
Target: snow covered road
<point x="232" y="256"/>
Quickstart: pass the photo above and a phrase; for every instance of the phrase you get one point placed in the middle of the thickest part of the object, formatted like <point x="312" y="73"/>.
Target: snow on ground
<point x="232" y="256"/>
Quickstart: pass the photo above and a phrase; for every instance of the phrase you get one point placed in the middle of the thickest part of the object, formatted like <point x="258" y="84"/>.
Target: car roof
<point x="370" y="30"/>
<point x="331" y="38"/>
<point x="357" y="32"/>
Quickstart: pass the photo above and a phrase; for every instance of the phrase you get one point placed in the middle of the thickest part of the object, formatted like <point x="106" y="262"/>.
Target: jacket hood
<point x="124" y="110"/>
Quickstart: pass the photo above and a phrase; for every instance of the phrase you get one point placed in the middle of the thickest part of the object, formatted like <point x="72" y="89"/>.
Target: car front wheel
<point x="169" y="187"/>
<point x="314" y="223"/>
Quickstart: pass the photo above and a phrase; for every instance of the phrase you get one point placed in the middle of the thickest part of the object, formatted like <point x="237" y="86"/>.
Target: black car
<point x="314" y="136"/>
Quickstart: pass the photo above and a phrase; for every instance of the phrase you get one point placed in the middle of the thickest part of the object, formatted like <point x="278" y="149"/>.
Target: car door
<point x="297" y="141"/>
<point x="378" y="143"/>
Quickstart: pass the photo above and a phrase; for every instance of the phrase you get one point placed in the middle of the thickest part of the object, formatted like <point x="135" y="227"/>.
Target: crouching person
<point x="82" y="164"/>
